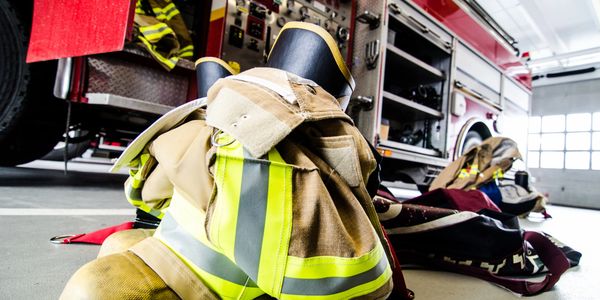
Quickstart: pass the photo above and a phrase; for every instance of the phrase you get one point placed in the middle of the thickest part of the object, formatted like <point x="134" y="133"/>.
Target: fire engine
<point x="433" y="77"/>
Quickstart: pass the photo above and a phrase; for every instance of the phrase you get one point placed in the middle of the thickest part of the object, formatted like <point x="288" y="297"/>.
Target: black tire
<point x="31" y="120"/>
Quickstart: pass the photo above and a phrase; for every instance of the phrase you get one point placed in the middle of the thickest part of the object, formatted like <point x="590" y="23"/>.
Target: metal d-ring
<point x="213" y="139"/>
<point x="60" y="239"/>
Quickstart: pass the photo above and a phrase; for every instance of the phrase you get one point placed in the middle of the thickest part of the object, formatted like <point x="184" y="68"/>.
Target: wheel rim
<point x="12" y="58"/>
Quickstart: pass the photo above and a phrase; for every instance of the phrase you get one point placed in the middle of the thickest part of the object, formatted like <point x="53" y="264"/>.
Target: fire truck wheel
<point x="30" y="120"/>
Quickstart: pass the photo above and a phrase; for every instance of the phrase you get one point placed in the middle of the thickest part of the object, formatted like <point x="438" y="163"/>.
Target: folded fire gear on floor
<point x="268" y="180"/>
<point x="484" y="167"/>
<point x="463" y="232"/>
<point x="161" y="30"/>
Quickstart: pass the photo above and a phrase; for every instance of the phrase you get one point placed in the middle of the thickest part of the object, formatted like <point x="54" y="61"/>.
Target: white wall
<point x="569" y="187"/>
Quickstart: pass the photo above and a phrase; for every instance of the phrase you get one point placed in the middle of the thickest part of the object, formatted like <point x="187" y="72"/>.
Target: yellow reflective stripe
<point x="259" y="213"/>
<point x="498" y="174"/>
<point x="154" y="33"/>
<point x="228" y="178"/>
<point x="135" y="184"/>
<point x="468" y="171"/>
<point x="167" y="13"/>
<point x="354" y="292"/>
<point x="331" y="266"/>
<point x="278" y="226"/>
<point x="338" y="278"/>
<point x="186" y="54"/>
<point x="170" y="11"/>
<point x="169" y="63"/>
<point x="187" y="51"/>
<point x="143" y="206"/>
<point x="229" y="290"/>
<point x="134" y="197"/>
<point x="217" y="271"/>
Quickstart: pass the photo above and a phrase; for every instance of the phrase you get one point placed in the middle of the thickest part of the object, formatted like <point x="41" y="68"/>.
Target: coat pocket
<point x="341" y="155"/>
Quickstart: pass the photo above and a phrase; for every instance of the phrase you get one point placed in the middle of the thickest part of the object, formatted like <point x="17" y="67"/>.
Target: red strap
<point x="400" y="291"/>
<point x="96" y="237"/>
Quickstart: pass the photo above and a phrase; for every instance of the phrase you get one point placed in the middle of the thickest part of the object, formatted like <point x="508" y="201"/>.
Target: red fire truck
<point x="433" y="77"/>
<point x="77" y="65"/>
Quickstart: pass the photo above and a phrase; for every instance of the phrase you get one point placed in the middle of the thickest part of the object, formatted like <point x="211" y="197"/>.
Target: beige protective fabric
<point x="177" y="276"/>
<point x="185" y="152"/>
<point x="332" y="213"/>
<point x="118" y="276"/>
<point x="123" y="240"/>
<point x="483" y="163"/>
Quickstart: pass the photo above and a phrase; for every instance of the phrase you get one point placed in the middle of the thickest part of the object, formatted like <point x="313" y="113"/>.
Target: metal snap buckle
<point x="60" y="239"/>
<point x="214" y="139"/>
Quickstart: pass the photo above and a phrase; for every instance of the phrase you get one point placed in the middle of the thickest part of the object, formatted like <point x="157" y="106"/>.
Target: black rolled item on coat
<point x="309" y="51"/>
<point x="208" y="71"/>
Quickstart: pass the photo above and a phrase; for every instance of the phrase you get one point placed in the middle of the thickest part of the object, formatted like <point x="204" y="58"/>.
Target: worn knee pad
<point x="117" y="276"/>
<point x="123" y="240"/>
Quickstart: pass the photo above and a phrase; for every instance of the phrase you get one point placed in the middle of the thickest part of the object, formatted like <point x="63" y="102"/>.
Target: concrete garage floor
<point x="38" y="201"/>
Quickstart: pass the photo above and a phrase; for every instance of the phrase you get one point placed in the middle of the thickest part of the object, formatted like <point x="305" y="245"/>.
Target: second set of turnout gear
<point x="162" y="31"/>
<point x="268" y="198"/>
<point x="484" y="168"/>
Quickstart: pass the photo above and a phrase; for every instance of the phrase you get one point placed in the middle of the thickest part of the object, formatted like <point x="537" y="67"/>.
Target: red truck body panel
<point x="472" y="32"/>
<point x="70" y="28"/>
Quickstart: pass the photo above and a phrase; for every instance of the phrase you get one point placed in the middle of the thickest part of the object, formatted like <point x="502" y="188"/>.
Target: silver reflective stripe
<point x="199" y="254"/>
<point x="332" y="285"/>
<point x="251" y="215"/>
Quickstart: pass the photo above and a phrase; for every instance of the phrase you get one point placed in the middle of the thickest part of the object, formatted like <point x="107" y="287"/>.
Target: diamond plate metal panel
<point x="117" y="76"/>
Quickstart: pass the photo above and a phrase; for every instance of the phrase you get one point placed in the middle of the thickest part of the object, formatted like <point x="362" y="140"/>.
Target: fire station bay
<point x="299" y="149"/>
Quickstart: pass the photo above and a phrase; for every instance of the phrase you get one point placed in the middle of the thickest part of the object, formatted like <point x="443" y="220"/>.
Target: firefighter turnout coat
<point x="261" y="192"/>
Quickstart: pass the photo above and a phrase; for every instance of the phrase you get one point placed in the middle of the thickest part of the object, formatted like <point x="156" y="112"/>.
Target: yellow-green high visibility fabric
<point x="162" y="13"/>
<point x="135" y="183"/>
<point x="163" y="32"/>
<point x="245" y="251"/>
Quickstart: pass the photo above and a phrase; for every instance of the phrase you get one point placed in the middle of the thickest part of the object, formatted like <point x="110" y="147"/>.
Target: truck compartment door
<point x="76" y="27"/>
